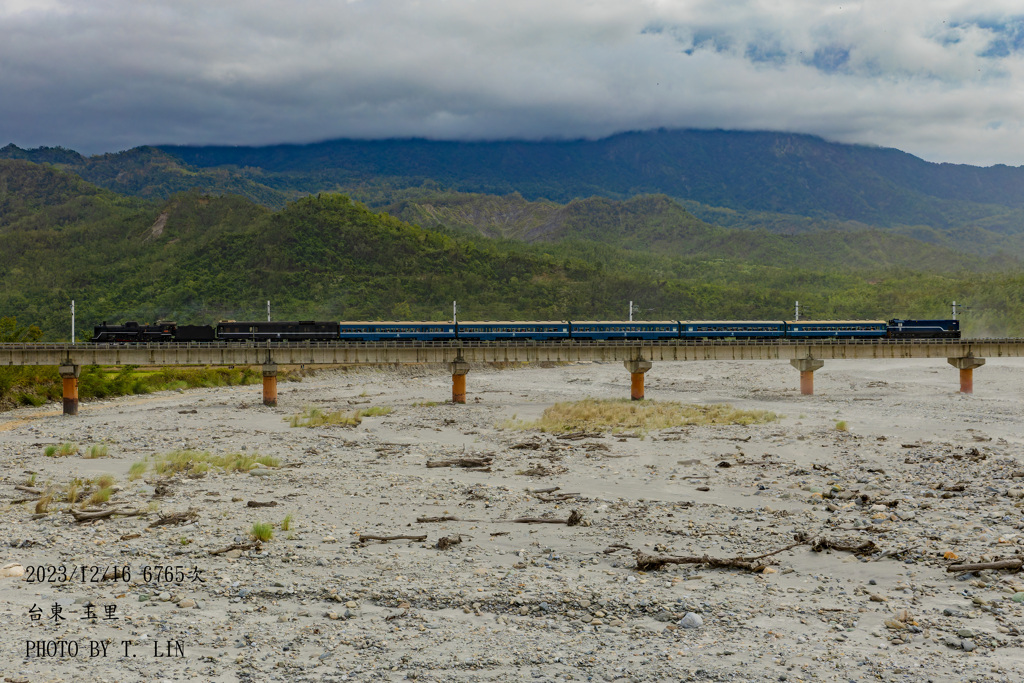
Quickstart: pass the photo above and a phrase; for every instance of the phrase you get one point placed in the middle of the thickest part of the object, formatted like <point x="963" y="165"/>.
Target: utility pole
<point x="72" y="321"/>
<point x="954" y="310"/>
<point x="268" y="310"/>
<point x="630" y="311"/>
<point x="455" y="311"/>
<point x="797" y="311"/>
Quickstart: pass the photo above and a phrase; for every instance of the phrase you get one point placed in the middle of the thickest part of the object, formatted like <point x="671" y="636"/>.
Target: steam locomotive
<point x="309" y="330"/>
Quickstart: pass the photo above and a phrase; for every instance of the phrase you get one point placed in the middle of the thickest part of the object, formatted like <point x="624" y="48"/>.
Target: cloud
<point x="938" y="79"/>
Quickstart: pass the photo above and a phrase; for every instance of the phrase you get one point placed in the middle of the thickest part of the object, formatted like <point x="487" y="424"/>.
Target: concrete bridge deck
<point x="514" y="351"/>
<point x="637" y="356"/>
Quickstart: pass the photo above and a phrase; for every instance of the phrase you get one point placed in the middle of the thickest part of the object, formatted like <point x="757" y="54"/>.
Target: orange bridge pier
<point x="638" y="357"/>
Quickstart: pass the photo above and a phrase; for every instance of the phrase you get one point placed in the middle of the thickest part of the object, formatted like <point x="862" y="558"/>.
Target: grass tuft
<point x="287" y="522"/>
<point x="196" y="462"/>
<point x="65" y="449"/>
<point x="262" y="531"/>
<point x="97" y="451"/>
<point x="841" y="426"/>
<point x="314" y="417"/>
<point x="100" y="496"/>
<point x="592" y="414"/>
<point x="137" y="470"/>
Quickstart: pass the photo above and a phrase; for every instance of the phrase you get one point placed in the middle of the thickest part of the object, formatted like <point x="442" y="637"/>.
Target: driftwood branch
<point x="90" y="515"/>
<point x="174" y="518"/>
<point x="445" y="518"/>
<point x="258" y="504"/>
<point x="462" y="462"/>
<point x="363" y="538"/>
<point x="238" y="546"/>
<point x="575" y="518"/>
<point x="558" y="497"/>
<point x="29" y="489"/>
<point x="755" y="563"/>
<point x="1000" y="564"/>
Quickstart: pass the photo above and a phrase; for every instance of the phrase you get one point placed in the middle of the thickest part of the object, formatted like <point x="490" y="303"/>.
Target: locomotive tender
<point x="310" y="330"/>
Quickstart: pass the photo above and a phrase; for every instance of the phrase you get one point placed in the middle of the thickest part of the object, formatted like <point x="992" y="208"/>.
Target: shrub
<point x="262" y="531"/>
<point x="617" y="415"/>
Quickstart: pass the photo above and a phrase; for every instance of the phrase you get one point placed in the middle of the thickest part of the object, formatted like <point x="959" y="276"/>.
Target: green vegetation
<point x="43" y="504"/>
<point x="35" y="385"/>
<point x="620" y="415"/>
<point x="262" y="531"/>
<point x="314" y="417"/>
<point x="101" y="495"/>
<point x="198" y="462"/>
<point x="98" y="451"/>
<point x="137" y="470"/>
<point x="197" y="258"/>
<point x="65" y="449"/>
<point x="841" y="426"/>
<point x="287" y="522"/>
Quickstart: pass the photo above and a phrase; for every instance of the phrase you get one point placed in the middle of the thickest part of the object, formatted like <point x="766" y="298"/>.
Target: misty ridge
<point x="691" y="224"/>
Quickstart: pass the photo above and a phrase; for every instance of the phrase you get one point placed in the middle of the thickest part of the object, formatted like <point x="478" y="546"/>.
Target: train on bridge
<point x="309" y="330"/>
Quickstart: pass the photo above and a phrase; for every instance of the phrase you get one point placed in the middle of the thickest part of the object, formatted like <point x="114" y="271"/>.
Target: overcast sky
<point x="942" y="79"/>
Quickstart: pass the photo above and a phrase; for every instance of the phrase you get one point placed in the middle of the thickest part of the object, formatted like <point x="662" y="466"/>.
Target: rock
<point x="165" y="597"/>
<point x="233" y="554"/>
<point x="965" y="633"/>
<point x="12" y="569"/>
<point x="187" y="603"/>
<point x="967" y="645"/>
<point x="691" y="620"/>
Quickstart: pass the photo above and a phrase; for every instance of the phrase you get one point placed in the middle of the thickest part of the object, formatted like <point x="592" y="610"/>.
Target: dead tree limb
<point x="1000" y="564"/>
<point x="645" y="562"/>
<point x="90" y="515"/>
<point x="363" y="538"/>
<point x="238" y="546"/>
<point x="445" y="518"/>
<point x="175" y="518"/>
<point x="462" y="462"/>
<point x="259" y="504"/>
<point x="575" y="519"/>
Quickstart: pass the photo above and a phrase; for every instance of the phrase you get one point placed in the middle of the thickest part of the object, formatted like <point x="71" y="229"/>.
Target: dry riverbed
<point x="901" y="475"/>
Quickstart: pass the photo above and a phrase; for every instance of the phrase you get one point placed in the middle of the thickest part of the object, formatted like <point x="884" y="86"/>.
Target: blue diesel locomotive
<point x="489" y="331"/>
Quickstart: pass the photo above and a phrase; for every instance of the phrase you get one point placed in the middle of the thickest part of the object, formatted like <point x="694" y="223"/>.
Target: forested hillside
<point x="197" y="258"/>
<point x="781" y="183"/>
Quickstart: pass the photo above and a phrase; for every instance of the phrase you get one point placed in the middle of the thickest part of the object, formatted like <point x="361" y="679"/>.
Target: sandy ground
<point x="922" y="472"/>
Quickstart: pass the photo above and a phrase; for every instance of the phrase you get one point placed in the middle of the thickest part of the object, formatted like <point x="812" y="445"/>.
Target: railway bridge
<point x="637" y="356"/>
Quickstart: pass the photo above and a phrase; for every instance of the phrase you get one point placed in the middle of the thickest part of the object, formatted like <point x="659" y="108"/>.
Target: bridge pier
<point x="459" y="369"/>
<point x="966" y="367"/>
<point x="70" y="373"/>
<point x="637" y="368"/>
<point x="270" y="384"/>
<point x="807" y="366"/>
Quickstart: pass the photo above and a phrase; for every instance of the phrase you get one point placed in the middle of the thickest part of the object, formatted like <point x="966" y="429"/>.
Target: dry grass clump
<point x="198" y="462"/>
<point x="97" y="451"/>
<point x="314" y="417"/>
<point x="262" y="531"/>
<point x="65" y="449"/>
<point x="101" y="495"/>
<point x="592" y="414"/>
<point x="841" y="426"/>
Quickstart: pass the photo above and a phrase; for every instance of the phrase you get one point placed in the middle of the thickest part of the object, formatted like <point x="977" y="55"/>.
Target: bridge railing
<point x="403" y="343"/>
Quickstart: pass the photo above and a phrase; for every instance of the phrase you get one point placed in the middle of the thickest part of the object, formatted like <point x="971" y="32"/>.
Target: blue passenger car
<point x="836" y="329"/>
<point x="931" y="329"/>
<point x="380" y="331"/>
<point x="739" y="329"/>
<point x="493" y="330"/>
<point x="625" y="329"/>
